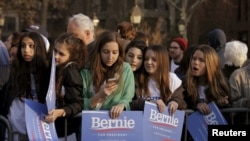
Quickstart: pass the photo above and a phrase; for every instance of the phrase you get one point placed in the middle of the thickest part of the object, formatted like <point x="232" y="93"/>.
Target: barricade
<point x="187" y="113"/>
<point x="231" y="111"/>
<point x="6" y="122"/>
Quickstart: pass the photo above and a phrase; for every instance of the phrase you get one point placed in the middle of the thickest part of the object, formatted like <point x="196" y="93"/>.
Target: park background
<point x="161" y="19"/>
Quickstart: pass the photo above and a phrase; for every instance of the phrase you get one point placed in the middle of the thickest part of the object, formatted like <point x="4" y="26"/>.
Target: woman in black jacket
<point x="70" y="57"/>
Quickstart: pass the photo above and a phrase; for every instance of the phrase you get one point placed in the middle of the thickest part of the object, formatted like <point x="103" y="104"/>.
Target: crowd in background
<point x="117" y="70"/>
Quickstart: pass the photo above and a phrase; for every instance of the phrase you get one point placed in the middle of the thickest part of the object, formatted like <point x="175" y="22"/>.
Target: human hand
<point x="108" y="88"/>
<point x="173" y="105"/>
<point x="161" y="105"/>
<point x="222" y="101"/>
<point x="53" y="115"/>
<point x="203" y="108"/>
<point x="116" y="111"/>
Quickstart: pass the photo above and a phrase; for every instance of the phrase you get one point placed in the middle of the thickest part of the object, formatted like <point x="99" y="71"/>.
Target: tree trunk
<point x="172" y="21"/>
<point x="44" y="13"/>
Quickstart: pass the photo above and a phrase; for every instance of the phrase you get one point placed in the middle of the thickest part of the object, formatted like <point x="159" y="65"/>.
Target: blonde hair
<point x="215" y="80"/>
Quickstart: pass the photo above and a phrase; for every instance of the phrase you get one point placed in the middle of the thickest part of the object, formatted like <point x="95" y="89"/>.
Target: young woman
<point x="157" y="84"/>
<point x="134" y="54"/>
<point x="205" y="81"/>
<point x="70" y="57"/>
<point x="28" y="78"/>
<point x="12" y="53"/>
<point x="12" y="40"/>
<point x="181" y="70"/>
<point x="108" y="82"/>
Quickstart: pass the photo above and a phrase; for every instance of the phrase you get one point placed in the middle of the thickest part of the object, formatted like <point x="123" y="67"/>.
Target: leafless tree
<point x="37" y="11"/>
<point x="185" y="9"/>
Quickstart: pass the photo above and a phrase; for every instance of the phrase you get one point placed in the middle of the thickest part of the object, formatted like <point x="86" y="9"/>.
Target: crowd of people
<point x="118" y="70"/>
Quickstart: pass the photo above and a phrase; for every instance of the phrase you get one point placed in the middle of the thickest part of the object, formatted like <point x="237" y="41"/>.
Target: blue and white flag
<point x="37" y="128"/>
<point x="51" y="94"/>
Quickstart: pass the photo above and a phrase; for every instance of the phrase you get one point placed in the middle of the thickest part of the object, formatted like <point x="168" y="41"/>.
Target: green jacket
<point x="124" y="96"/>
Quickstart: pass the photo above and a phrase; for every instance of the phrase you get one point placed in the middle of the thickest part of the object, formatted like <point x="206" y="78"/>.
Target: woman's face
<point x="150" y="62"/>
<point x="61" y="54"/>
<point x="27" y="49"/>
<point x="134" y="58"/>
<point x="110" y="53"/>
<point x="13" y="52"/>
<point x="198" y="63"/>
<point x="7" y="43"/>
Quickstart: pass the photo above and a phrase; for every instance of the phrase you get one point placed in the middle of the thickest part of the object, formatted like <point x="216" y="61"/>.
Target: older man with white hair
<point x="82" y="26"/>
<point x="235" y="55"/>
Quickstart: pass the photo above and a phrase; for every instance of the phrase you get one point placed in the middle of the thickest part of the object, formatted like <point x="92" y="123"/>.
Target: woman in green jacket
<point x="108" y="81"/>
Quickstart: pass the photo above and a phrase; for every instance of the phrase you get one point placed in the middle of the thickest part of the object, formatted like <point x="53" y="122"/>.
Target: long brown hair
<point x="217" y="85"/>
<point x="161" y="77"/>
<point x="100" y="72"/>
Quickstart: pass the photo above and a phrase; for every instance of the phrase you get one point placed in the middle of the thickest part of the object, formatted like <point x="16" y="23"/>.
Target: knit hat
<point x="182" y="42"/>
<point x="37" y="28"/>
<point x="42" y="31"/>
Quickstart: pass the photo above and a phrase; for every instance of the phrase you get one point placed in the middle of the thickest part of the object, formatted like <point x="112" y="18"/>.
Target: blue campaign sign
<point x="161" y="126"/>
<point x="98" y="126"/>
<point x="197" y="123"/>
<point x="51" y="94"/>
<point x="37" y="128"/>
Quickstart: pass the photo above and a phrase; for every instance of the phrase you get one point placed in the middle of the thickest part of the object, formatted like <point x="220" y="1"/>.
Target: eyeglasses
<point x="175" y="48"/>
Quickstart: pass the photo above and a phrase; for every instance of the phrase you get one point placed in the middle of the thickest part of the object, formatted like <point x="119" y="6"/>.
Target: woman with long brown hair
<point x="205" y="81"/>
<point x="108" y="81"/>
<point x="157" y="84"/>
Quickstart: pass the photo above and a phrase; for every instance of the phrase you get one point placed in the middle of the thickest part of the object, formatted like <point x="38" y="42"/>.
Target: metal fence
<point x="229" y="112"/>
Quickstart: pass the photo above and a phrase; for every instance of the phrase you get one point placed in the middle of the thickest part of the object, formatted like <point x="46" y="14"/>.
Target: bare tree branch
<point x="170" y="2"/>
<point x="190" y="12"/>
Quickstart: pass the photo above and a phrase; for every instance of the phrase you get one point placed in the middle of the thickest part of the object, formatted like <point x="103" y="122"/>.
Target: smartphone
<point x="112" y="80"/>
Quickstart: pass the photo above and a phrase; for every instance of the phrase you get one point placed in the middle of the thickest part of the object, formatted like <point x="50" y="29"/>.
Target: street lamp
<point x="95" y="20"/>
<point x="182" y="25"/>
<point x="2" y="20"/>
<point x="136" y="15"/>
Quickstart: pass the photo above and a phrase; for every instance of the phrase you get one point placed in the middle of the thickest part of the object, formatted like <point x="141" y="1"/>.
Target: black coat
<point x="5" y="100"/>
<point x="73" y="101"/>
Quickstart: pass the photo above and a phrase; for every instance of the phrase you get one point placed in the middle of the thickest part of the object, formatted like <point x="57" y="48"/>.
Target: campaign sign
<point x="197" y="123"/>
<point x="98" y="126"/>
<point x="51" y="94"/>
<point x="161" y="126"/>
<point x="37" y="128"/>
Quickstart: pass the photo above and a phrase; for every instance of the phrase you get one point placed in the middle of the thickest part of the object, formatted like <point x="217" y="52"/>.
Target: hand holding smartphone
<point x="112" y="80"/>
